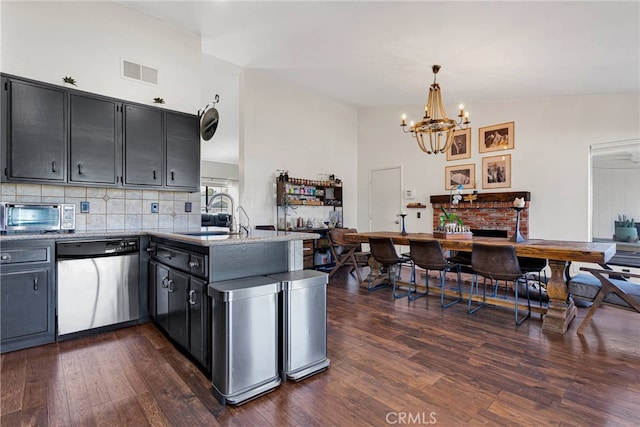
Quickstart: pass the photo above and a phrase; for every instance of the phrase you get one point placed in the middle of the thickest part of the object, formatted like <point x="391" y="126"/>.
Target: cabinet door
<point x="143" y="146"/>
<point x="199" y="321"/>
<point x="25" y="310"/>
<point x="36" y="138"/>
<point x="151" y="288"/>
<point x="93" y="140"/>
<point x="183" y="150"/>
<point x="162" y="296"/>
<point x="178" y="321"/>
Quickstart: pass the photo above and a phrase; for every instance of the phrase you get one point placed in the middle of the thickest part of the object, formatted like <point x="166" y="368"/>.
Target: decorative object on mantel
<point x="518" y="205"/>
<point x="471" y="197"/>
<point x="456" y="195"/>
<point x="496" y="137"/>
<point x="435" y="123"/>
<point x="158" y="100"/>
<point x="626" y="230"/>
<point x="460" y="175"/>
<point x="496" y="171"/>
<point x="69" y="81"/>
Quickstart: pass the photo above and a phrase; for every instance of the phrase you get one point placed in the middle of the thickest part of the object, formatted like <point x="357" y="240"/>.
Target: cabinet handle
<point x="193" y="300"/>
<point x="154" y="175"/>
<point x="53" y="166"/>
<point x="79" y="169"/>
<point x="171" y="288"/>
<point x="164" y="282"/>
<point x="173" y="176"/>
<point x="35" y="283"/>
<point x="5" y="257"/>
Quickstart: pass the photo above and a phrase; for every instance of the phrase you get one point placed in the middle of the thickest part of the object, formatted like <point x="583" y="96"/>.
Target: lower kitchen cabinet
<point x="179" y="305"/>
<point x="199" y="316"/>
<point x="27" y="306"/>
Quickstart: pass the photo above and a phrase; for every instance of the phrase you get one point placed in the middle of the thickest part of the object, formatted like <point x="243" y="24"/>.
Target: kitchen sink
<point x="210" y="233"/>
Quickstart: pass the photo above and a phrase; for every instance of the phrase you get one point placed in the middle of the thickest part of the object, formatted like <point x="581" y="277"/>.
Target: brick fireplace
<point x="490" y="212"/>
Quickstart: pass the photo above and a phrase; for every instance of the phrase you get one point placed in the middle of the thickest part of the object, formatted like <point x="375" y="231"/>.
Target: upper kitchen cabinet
<point x="34" y="137"/>
<point x="57" y="135"/>
<point x="183" y="151"/>
<point x="143" y="146"/>
<point x="94" y="140"/>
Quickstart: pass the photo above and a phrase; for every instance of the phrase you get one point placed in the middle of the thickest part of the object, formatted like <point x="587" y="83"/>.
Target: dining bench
<point x="604" y="286"/>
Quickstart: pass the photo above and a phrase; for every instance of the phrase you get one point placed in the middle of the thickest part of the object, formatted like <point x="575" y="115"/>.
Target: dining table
<point x="561" y="309"/>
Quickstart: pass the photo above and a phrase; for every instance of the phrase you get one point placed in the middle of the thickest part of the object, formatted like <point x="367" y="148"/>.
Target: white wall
<point x="46" y="41"/>
<point x="550" y="159"/>
<point x="221" y="78"/>
<point x="285" y="128"/>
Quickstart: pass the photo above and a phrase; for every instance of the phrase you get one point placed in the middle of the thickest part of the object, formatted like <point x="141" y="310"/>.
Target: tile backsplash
<point x="113" y="208"/>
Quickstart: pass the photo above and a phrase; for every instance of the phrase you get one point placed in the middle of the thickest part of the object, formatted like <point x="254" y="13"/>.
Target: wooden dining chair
<point x="345" y="253"/>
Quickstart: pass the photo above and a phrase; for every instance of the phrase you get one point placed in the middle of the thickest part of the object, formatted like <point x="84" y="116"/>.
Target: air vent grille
<point x="131" y="70"/>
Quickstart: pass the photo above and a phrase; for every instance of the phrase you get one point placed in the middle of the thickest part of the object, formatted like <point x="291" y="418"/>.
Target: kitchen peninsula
<point x="190" y="258"/>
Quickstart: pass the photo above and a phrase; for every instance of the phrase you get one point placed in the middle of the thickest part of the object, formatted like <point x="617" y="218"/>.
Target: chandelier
<point x="435" y="123"/>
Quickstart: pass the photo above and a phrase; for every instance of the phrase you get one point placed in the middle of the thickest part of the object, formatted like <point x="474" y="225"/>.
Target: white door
<point x="385" y="195"/>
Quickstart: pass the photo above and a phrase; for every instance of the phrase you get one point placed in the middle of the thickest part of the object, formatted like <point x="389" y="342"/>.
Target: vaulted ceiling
<point x="379" y="53"/>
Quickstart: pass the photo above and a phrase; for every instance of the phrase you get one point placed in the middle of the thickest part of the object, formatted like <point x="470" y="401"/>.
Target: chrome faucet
<point x="232" y="223"/>
<point x="247" y="229"/>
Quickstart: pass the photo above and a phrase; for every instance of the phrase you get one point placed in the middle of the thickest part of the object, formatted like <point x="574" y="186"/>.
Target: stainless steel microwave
<point x="37" y="217"/>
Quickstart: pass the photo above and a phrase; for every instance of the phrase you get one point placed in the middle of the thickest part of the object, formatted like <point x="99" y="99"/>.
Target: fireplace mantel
<point x="486" y="197"/>
<point x="489" y="211"/>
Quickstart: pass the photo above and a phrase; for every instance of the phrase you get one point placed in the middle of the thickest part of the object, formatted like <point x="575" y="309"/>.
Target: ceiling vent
<point x="133" y="71"/>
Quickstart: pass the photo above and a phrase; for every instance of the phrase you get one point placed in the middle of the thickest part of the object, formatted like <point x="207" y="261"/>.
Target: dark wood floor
<point x="392" y="363"/>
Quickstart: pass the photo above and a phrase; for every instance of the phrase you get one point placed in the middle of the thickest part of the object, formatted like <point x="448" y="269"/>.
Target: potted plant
<point x="69" y="81"/>
<point x="449" y="221"/>
<point x="626" y="230"/>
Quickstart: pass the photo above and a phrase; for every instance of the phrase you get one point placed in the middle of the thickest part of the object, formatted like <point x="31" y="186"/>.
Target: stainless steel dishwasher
<point x="98" y="283"/>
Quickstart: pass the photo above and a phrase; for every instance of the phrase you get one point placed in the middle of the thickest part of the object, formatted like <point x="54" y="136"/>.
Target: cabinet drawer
<point x="307" y="247"/>
<point x="172" y="256"/>
<point x="24" y="255"/>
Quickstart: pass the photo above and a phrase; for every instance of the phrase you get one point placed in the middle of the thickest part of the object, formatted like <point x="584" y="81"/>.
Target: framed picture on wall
<point x="461" y="146"/>
<point x="496" y="137"/>
<point x="496" y="171"/>
<point x="464" y="175"/>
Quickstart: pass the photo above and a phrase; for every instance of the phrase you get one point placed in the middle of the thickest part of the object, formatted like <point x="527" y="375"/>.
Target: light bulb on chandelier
<point x="435" y="123"/>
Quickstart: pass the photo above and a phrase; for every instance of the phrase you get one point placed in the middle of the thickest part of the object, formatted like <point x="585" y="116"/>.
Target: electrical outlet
<point x="154" y="207"/>
<point x="187" y="206"/>
<point x="84" y="207"/>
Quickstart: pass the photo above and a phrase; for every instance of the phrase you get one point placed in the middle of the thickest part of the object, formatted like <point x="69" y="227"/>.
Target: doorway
<point x="385" y="199"/>
<point x="615" y="185"/>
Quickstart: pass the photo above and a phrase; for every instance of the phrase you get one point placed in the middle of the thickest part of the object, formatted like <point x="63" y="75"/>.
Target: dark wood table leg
<point x="561" y="309"/>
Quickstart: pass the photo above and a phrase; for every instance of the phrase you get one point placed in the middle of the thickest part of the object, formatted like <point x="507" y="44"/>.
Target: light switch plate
<point x="154" y="207"/>
<point x="84" y="207"/>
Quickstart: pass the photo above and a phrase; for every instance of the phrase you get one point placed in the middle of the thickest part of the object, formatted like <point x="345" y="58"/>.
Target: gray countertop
<point x="256" y="236"/>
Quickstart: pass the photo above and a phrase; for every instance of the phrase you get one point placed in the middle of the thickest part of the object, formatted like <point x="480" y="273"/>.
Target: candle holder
<point x="517" y="237"/>
<point x="404" y="232"/>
